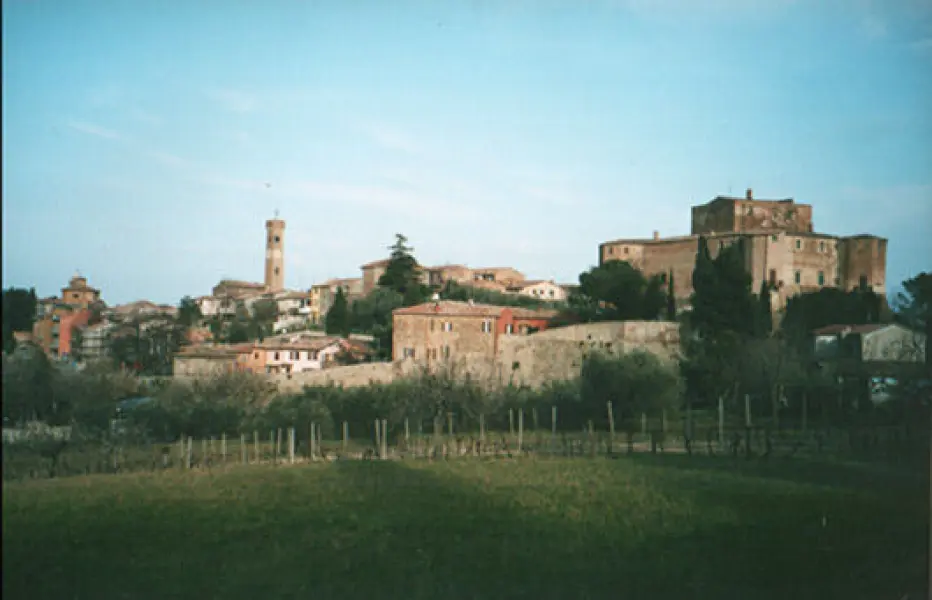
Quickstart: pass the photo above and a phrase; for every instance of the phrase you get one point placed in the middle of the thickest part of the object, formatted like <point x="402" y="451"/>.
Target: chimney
<point x="656" y="235"/>
<point x="749" y="194"/>
<point x="470" y="302"/>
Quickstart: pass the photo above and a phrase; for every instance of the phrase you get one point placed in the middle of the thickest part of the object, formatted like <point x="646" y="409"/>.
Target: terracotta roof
<point x="238" y="283"/>
<point x="495" y="286"/>
<point x="451" y="308"/>
<point x="318" y="344"/>
<point x="446" y="267"/>
<point x="376" y="263"/>
<point x="530" y="313"/>
<point x="465" y="309"/>
<point x="220" y="350"/>
<point x="520" y="285"/>
<point x="839" y="329"/>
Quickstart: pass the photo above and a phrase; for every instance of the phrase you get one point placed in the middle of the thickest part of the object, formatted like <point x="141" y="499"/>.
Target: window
<point x="277" y="239"/>
<point x="750" y="210"/>
<point x="509" y="329"/>
<point x="821" y="246"/>
<point x="276" y="356"/>
<point x="797" y="277"/>
<point x="721" y="244"/>
<point x="431" y="324"/>
<point x="799" y="244"/>
<point x="773" y="277"/>
<point x="551" y="293"/>
<point x="432" y="353"/>
<point x="611" y="250"/>
<point x="446" y="352"/>
<point x="409" y="352"/>
<point x="862" y="281"/>
<point x="447" y="326"/>
<point x="75" y="295"/>
<point x="821" y="278"/>
<point x="774" y="238"/>
<point x="487" y="327"/>
<point x="626" y="249"/>
<point x="256" y="355"/>
<point x="276" y="270"/>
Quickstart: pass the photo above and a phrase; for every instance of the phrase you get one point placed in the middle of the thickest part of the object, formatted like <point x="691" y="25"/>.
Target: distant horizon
<point x="145" y="143"/>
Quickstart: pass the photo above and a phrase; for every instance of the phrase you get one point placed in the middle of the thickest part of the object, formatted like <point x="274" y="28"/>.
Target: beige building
<point x="440" y="331"/>
<point x="547" y="291"/>
<point x="781" y="248"/>
<point x="502" y="275"/>
<point x="321" y="296"/>
<point x="275" y="255"/>
<point x="79" y="294"/>
<point x="232" y="288"/>
<point x="206" y="361"/>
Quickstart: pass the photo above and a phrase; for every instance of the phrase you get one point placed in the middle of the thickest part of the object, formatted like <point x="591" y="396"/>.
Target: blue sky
<point x="138" y="136"/>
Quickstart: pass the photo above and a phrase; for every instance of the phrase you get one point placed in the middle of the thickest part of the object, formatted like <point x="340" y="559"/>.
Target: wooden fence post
<point x="384" y="438"/>
<point x="223" y="446"/>
<point x="378" y="438"/>
<point x="190" y="450"/>
<point x="278" y="444"/>
<point x="181" y="452"/>
<point x="291" y="445"/>
<point x="244" y="449"/>
<point x="345" y="437"/>
<point x="591" y="438"/>
<point x="255" y="445"/>
<point x="553" y="429"/>
<point x="747" y="410"/>
<point x="511" y="421"/>
<point x="272" y="447"/>
<point x="407" y="434"/>
<point x="482" y="428"/>
<point x="520" y="428"/>
<point x="320" y="441"/>
<point x="643" y="423"/>
<point x="721" y="422"/>
<point x="611" y="429"/>
<point x="203" y="453"/>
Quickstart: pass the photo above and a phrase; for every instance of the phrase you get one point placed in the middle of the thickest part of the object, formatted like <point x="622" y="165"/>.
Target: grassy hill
<point x="637" y="527"/>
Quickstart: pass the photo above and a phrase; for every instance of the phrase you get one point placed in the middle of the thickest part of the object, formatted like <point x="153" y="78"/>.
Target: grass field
<point x="635" y="527"/>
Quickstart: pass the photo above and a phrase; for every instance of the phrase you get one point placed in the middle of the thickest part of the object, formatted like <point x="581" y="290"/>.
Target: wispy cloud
<point x="233" y="100"/>
<point x="95" y="130"/>
<point x="390" y="137"/>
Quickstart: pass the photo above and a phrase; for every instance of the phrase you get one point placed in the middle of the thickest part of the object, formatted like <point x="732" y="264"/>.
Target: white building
<point x="540" y="290"/>
<point x="297" y="357"/>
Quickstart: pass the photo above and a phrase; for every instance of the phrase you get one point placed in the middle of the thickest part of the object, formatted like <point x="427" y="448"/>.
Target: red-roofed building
<point x="445" y="329"/>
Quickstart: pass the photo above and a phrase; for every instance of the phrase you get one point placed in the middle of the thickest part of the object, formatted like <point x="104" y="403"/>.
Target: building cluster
<point x="79" y="323"/>
<point x="284" y="354"/>
<point x="782" y="252"/>
<point x="781" y="249"/>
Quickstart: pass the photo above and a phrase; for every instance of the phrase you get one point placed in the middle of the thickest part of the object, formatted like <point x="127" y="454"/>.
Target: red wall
<point x="66" y="327"/>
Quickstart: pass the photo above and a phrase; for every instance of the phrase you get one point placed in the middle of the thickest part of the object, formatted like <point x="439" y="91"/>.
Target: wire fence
<point x="440" y="439"/>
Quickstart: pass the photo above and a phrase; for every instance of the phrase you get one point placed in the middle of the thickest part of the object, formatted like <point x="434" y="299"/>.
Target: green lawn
<point x="636" y="527"/>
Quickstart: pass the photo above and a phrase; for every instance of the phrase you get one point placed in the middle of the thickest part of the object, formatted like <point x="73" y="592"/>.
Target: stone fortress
<point x="781" y="248"/>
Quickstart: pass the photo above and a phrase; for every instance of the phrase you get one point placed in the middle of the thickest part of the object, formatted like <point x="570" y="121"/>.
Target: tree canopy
<point x="19" y="313"/>
<point x="337" y="321"/>
<point x="401" y="273"/>
<point x="617" y="291"/>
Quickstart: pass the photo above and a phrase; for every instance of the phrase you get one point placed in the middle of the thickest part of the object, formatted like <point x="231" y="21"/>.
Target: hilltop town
<point x="493" y="322"/>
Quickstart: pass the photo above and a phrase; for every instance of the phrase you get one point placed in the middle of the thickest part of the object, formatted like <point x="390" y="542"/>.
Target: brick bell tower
<point x="275" y="254"/>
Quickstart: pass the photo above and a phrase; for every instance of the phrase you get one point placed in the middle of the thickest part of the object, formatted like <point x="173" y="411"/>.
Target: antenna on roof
<point x="276" y="213"/>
